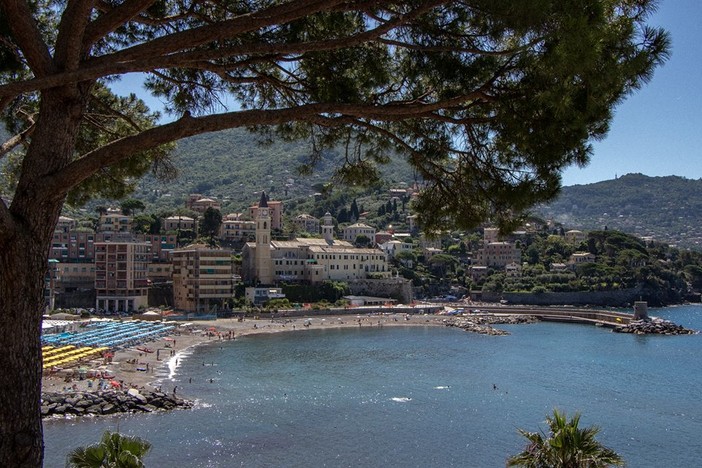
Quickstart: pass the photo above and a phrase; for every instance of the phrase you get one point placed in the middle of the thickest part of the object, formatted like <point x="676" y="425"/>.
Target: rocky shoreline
<point x="653" y="327"/>
<point x="482" y="324"/>
<point x="109" y="402"/>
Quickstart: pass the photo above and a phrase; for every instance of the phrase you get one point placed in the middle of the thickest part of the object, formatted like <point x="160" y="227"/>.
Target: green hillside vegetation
<point x="235" y="165"/>
<point x="669" y="209"/>
<point x="665" y="275"/>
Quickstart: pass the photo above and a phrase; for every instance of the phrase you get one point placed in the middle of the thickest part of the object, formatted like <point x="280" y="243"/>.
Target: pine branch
<point x="27" y="36"/>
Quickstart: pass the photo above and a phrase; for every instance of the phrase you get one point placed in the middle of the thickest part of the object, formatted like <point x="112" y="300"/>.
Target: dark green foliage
<point x="362" y="241"/>
<point x="565" y="445"/>
<point x="666" y="208"/>
<point x="328" y="291"/>
<point x="114" y="450"/>
<point x="211" y="221"/>
<point x="232" y="165"/>
<point x="132" y="206"/>
<point x="622" y="261"/>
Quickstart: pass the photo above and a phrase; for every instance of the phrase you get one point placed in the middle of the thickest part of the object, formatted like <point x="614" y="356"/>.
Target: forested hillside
<point x="234" y="165"/>
<point x="667" y="208"/>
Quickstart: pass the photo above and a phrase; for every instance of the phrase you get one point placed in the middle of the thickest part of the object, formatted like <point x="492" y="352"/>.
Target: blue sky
<point x="656" y="131"/>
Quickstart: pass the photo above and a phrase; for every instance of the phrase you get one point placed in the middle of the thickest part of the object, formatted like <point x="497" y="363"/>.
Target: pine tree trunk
<point x="22" y="268"/>
<point x="24" y="246"/>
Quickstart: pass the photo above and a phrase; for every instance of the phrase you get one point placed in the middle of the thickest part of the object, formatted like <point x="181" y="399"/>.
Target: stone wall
<point x="84" y="299"/>
<point x="161" y="295"/>
<point x="394" y="288"/>
<point x="620" y="298"/>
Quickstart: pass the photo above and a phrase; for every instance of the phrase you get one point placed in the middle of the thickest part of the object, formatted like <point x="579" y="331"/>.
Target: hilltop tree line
<point x="665" y="275"/>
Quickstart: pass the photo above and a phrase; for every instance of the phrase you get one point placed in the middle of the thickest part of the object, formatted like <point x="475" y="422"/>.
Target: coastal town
<point x="104" y="334"/>
<point x="363" y="174"/>
<point x="193" y="266"/>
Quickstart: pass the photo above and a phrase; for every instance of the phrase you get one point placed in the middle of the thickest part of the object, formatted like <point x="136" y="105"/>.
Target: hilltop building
<point x="574" y="236"/>
<point x="498" y="255"/>
<point x="359" y="229"/>
<point x="306" y="223"/>
<point x="114" y="221"/>
<point x="235" y="228"/>
<point x="200" y="203"/>
<point x="275" y="211"/>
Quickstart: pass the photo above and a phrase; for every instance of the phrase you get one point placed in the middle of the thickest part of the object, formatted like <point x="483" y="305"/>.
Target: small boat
<point x="144" y="349"/>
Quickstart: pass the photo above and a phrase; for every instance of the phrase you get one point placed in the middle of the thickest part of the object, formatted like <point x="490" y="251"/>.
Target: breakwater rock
<point x="653" y="327"/>
<point x="482" y="324"/>
<point x="109" y="402"/>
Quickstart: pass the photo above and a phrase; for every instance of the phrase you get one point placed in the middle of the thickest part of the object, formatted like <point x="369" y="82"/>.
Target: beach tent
<point x="64" y="316"/>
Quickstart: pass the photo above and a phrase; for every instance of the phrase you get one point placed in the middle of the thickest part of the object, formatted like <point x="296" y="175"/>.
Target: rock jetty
<point x="109" y="402"/>
<point x="482" y="324"/>
<point x="654" y="326"/>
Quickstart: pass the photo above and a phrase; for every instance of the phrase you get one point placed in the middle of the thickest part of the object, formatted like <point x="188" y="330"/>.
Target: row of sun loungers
<point x="65" y="357"/>
<point x="110" y="334"/>
<point x="70" y="348"/>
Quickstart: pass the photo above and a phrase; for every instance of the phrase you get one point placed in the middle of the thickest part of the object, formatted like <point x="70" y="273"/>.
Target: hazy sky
<point x="656" y="131"/>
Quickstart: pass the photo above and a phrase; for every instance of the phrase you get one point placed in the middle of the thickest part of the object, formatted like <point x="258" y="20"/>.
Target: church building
<point x="267" y="262"/>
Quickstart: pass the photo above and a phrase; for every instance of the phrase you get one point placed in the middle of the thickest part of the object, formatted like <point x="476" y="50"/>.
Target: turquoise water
<point x="419" y="397"/>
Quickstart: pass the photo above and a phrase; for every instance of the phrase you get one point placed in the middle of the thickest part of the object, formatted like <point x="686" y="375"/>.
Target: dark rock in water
<point x="109" y="408"/>
<point x="653" y="327"/>
<point x="84" y="403"/>
<point x="110" y="402"/>
<point x="72" y="400"/>
<point x="482" y="323"/>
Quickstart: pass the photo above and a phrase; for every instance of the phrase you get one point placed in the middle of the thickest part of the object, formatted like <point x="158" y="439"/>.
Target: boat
<point x="144" y="349"/>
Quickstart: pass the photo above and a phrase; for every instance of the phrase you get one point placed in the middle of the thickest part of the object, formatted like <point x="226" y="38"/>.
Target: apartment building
<point x="72" y="245"/>
<point x="306" y="223"/>
<point x="65" y="224"/>
<point x="202" y="278"/>
<point x="114" y="221"/>
<point x="235" y="228"/>
<point x="179" y="223"/>
<point x="121" y="283"/>
<point x="275" y="210"/>
<point x="498" y="255"/>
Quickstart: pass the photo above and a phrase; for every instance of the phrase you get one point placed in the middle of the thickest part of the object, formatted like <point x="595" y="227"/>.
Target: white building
<point x="358" y="229"/>
<point x="308" y="259"/>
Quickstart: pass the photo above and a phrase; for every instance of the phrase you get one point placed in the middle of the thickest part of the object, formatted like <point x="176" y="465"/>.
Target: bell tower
<point x="263" y="242"/>
<point x="328" y="228"/>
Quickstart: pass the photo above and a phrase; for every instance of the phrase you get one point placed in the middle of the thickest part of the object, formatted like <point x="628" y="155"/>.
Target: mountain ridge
<point x="667" y="208"/>
<point x="234" y="166"/>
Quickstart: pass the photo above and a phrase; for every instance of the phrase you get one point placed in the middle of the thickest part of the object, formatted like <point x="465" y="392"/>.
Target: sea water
<point x="418" y="397"/>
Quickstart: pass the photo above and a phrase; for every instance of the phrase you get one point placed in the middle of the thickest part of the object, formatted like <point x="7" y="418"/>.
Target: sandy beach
<point x="135" y="368"/>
